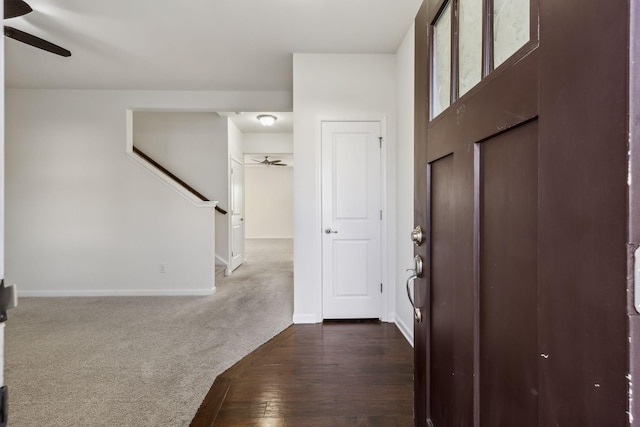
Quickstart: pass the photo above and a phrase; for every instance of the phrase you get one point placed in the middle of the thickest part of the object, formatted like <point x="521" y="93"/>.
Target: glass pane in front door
<point x="441" y="72"/>
<point x="469" y="44"/>
<point x="510" y="28"/>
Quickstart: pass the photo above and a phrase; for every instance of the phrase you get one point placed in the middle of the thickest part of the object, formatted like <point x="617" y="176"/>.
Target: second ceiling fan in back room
<point x="268" y="162"/>
<point x="15" y="8"/>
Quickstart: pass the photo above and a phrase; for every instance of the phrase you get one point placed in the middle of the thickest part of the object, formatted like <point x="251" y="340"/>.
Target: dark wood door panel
<point x="508" y="288"/>
<point x="450" y="301"/>
<point x="441" y="301"/>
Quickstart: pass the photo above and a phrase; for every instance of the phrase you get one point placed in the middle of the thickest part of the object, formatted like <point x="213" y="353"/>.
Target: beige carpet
<point x="141" y="361"/>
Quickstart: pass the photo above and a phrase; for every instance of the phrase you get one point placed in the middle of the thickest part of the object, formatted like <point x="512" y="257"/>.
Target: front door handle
<point x="416" y="274"/>
<point x="330" y="231"/>
<point x="417" y="314"/>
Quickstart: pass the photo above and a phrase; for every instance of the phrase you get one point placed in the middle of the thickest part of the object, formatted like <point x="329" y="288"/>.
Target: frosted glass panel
<point x="510" y="28"/>
<point x="441" y="84"/>
<point x="470" y="44"/>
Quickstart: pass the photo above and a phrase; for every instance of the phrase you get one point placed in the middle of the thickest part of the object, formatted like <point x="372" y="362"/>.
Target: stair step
<point x="219" y="272"/>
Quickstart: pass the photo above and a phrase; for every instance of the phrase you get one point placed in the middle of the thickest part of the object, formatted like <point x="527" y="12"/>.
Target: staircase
<point x="219" y="272"/>
<point x="178" y="185"/>
<point x="165" y="172"/>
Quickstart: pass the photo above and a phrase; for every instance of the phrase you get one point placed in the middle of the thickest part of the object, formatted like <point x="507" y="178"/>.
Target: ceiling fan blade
<point x="256" y="160"/>
<point x="15" y="8"/>
<point x="275" y="161"/>
<point x="34" y="41"/>
<point x="279" y="164"/>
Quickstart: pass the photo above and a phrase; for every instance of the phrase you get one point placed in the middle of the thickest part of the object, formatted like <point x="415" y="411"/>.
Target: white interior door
<point x="237" y="214"/>
<point x="351" y="220"/>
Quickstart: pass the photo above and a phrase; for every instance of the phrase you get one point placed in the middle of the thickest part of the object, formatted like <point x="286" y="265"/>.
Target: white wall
<point x="269" y="202"/>
<point x="192" y="145"/>
<point x="267" y="143"/>
<point x="336" y="86"/>
<point x="83" y="219"/>
<point x="235" y="141"/>
<point x="404" y="189"/>
<point x="268" y="190"/>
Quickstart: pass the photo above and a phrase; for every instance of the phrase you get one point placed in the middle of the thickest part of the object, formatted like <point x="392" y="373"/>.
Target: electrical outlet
<point x="163" y="268"/>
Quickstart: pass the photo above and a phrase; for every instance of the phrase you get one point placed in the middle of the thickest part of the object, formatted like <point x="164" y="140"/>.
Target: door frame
<point x="633" y="243"/>
<point x="388" y="216"/>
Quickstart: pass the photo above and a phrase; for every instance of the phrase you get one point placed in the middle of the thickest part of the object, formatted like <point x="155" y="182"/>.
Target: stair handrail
<point x="173" y="176"/>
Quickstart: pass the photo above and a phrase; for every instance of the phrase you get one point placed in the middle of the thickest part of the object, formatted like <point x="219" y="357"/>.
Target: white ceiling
<point x="248" y="122"/>
<point x="236" y="45"/>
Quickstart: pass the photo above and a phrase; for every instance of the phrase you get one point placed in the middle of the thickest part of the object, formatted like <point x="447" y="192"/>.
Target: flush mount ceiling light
<point x="267" y="119"/>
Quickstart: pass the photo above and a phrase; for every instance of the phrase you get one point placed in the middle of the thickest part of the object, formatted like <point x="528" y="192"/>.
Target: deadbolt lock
<point x="416" y="236"/>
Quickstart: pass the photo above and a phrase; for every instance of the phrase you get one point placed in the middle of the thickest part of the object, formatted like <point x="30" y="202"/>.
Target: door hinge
<point x="231" y="254"/>
<point x="380" y="287"/>
<point x="380" y="139"/>
<point x="380" y="214"/>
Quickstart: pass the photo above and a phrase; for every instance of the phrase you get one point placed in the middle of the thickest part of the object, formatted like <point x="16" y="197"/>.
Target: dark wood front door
<point x="521" y="189"/>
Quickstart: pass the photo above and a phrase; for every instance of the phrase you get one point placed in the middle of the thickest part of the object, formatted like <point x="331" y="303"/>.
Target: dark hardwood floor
<point x="331" y="374"/>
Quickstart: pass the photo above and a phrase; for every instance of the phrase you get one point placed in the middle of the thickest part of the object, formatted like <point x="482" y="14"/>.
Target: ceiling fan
<point x="15" y="8"/>
<point x="268" y="162"/>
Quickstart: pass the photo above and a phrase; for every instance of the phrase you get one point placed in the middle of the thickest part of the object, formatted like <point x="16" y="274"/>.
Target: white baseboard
<point x="406" y="331"/>
<point x="305" y="318"/>
<point x="117" y="293"/>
